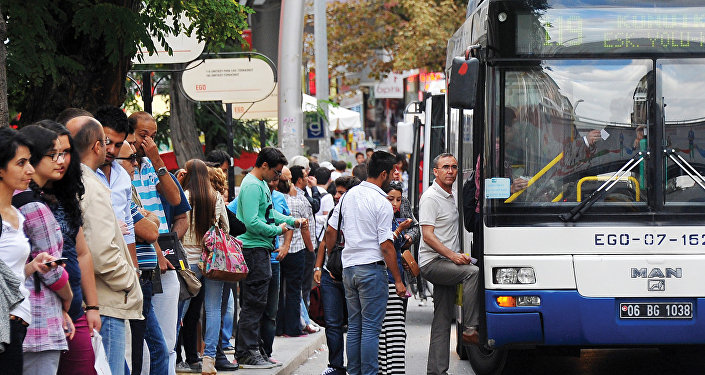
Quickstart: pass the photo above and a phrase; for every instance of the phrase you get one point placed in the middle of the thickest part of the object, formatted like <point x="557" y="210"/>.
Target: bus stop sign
<point x="315" y="130"/>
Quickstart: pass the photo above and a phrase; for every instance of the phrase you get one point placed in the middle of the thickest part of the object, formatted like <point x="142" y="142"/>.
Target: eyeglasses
<point x="448" y="167"/>
<point x="55" y="156"/>
<point x="108" y="142"/>
<point x="132" y="158"/>
<point x="277" y="172"/>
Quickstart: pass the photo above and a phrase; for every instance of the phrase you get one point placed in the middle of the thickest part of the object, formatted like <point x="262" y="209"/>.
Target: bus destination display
<point x="610" y="30"/>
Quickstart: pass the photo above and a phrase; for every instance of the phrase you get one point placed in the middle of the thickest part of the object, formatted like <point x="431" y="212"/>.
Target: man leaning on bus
<point x="444" y="265"/>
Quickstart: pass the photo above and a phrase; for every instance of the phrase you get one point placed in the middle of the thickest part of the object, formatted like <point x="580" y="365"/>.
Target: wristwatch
<point x="161" y="171"/>
<point x="316" y="269"/>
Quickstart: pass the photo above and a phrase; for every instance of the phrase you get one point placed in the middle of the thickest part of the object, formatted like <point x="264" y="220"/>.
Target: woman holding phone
<point x="15" y="174"/>
<point x="50" y="293"/>
<point x="392" y="339"/>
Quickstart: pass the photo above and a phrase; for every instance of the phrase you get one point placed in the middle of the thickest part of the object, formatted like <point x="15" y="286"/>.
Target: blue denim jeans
<point x="366" y="294"/>
<point x="150" y="331"/>
<point x="228" y="304"/>
<point x="268" y="324"/>
<point x="333" y="299"/>
<point x="113" y="332"/>
<point x="212" y="300"/>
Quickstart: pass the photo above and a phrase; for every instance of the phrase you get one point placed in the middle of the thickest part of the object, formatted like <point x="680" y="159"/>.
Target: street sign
<point x="184" y="48"/>
<point x="231" y="80"/>
<point x="315" y="130"/>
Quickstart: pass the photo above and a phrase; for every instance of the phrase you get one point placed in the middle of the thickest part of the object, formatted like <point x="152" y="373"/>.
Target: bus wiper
<point x="691" y="171"/>
<point x="578" y="211"/>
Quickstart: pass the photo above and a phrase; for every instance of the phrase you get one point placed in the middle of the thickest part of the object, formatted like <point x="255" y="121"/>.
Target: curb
<point x="292" y="352"/>
<point x="304" y="353"/>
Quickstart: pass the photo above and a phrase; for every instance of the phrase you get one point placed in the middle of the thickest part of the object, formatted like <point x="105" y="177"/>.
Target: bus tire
<point x="485" y="361"/>
<point x="459" y="346"/>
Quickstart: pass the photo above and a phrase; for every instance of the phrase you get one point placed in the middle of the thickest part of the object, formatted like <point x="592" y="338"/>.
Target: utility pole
<point x="291" y="117"/>
<point x="320" y="35"/>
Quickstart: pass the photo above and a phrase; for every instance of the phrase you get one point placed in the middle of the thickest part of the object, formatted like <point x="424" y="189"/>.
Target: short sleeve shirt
<point x="172" y="211"/>
<point x="145" y="182"/>
<point x="367" y="223"/>
<point x="439" y="209"/>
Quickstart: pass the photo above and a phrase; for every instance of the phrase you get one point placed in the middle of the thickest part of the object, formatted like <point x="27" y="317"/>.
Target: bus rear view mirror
<point x="462" y="87"/>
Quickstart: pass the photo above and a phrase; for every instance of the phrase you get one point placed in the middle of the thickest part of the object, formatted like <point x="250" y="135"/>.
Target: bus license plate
<point x="656" y="310"/>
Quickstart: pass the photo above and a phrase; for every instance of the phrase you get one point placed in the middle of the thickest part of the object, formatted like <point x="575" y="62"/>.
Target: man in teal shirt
<point x="263" y="223"/>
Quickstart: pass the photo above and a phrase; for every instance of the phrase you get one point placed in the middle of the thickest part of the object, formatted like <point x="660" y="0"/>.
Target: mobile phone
<point x="58" y="261"/>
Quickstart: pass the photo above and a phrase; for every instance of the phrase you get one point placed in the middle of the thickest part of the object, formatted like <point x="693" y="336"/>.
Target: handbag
<point x="222" y="257"/>
<point x="189" y="284"/>
<point x="173" y="250"/>
<point x="334" y="265"/>
<point x="315" y="307"/>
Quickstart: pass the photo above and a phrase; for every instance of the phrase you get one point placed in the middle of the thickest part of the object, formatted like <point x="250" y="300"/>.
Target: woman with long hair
<point x="50" y="293"/>
<point x="62" y="194"/>
<point x="15" y="174"/>
<point x="208" y="209"/>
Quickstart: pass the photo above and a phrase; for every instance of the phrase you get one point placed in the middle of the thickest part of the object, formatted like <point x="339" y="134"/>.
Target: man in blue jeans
<point x="333" y="294"/>
<point x="366" y="222"/>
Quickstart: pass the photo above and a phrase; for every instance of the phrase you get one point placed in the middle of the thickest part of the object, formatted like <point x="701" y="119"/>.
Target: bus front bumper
<point x="565" y="318"/>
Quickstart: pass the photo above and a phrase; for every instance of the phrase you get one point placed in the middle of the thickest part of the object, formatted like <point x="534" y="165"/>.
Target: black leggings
<point x="11" y="358"/>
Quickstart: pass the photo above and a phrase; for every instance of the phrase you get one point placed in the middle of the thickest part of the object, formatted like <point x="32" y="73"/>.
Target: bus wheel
<point x="459" y="346"/>
<point x="485" y="361"/>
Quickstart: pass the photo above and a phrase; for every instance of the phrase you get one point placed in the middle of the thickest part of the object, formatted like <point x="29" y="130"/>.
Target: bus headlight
<point x="514" y="275"/>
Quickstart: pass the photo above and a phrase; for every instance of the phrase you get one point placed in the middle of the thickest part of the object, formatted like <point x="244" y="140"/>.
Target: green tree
<point x="391" y="35"/>
<point x="76" y="53"/>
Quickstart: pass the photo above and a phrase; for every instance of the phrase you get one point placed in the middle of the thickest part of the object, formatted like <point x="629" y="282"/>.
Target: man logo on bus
<point x="657" y="285"/>
<point x="657" y="273"/>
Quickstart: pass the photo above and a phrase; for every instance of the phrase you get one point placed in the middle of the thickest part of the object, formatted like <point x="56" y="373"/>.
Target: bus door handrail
<point x="535" y="178"/>
<point x="607" y="178"/>
<point x="691" y="171"/>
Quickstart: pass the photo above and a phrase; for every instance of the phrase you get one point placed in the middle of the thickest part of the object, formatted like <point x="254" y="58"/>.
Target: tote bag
<point x="222" y="257"/>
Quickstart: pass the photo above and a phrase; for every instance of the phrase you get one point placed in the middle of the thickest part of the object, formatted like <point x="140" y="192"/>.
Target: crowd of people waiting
<point x="86" y="201"/>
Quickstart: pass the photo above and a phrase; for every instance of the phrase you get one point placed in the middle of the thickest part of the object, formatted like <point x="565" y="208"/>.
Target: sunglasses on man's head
<point x="133" y="157"/>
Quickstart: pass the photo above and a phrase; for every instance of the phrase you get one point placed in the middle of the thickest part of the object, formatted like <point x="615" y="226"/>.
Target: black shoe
<point x="226" y="366"/>
<point x="254" y="361"/>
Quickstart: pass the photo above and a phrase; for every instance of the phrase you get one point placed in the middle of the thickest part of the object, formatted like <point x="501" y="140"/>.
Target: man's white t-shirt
<point x="367" y="223"/>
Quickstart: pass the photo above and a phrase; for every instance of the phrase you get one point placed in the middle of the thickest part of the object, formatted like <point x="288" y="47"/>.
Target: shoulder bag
<point x="222" y="257"/>
<point x="335" y="261"/>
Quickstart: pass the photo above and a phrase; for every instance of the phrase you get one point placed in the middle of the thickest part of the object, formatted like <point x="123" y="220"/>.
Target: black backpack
<point x="469" y="202"/>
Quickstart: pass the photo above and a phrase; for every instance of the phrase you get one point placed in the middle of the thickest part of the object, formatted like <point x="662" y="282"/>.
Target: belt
<point x="19" y="320"/>
<point x="380" y="262"/>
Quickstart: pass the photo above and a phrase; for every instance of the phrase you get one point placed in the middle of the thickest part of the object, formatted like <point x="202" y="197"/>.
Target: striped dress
<point x="392" y="339"/>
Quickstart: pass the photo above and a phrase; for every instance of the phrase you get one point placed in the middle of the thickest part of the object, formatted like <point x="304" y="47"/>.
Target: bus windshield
<point x="564" y="127"/>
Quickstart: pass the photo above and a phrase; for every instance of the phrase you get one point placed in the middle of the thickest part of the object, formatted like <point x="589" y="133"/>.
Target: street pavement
<point x="629" y="361"/>
<point x="418" y="329"/>
<point x="291" y="351"/>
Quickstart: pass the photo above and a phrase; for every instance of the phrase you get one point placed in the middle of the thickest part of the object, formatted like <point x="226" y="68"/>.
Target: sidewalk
<point x="291" y="351"/>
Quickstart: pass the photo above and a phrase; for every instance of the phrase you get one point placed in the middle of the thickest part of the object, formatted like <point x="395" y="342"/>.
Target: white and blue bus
<point x="588" y="118"/>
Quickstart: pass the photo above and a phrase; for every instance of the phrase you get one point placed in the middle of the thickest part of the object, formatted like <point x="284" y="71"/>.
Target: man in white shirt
<point x="444" y="265"/>
<point x="367" y="227"/>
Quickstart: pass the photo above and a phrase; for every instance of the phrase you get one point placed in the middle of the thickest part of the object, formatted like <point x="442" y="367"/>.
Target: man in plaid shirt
<point x="293" y="262"/>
